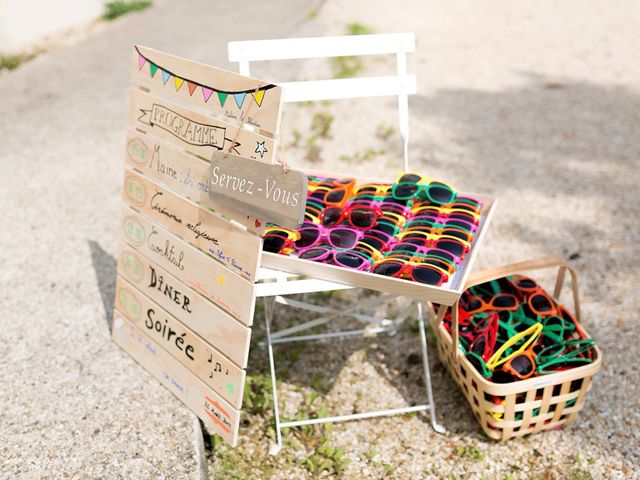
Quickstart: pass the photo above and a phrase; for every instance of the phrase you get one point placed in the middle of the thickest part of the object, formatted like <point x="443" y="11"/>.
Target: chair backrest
<point x="400" y="85"/>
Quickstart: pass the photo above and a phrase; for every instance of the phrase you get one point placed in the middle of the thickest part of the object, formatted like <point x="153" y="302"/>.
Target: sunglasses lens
<point x="343" y="238"/>
<point x="381" y="235"/>
<point x="440" y="193"/>
<point x="410" y="177"/>
<point x="406" y="190"/>
<point x="331" y="216"/>
<point x="335" y="195"/>
<point x="478" y="346"/>
<point x="462" y="216"/>
<point x="474" y="304"/>
<point x="272" y="243"/>
<point x="349" y="259"/>
<point x="441" y="254"/>
<point x="385" y="227"/>
<point x="552" y="351"/>
<point x="426" y="275"/>
<point x="373" y="242"/>
<point x="504" y="301"/>
<point x="540" y="303"/>
<point x="389" y="269"/>
<point x="314" y="254"/>
<point x="454" y="232"/>
<point x="363" y="218"/>
<point x="370" y="189"/>
<point x="407" y="247"/>
<point x="526" y="283"/>
<point x="452" y="247"/>
<point x="308" y="236"/>
<point x="500" y="376"/>
<point x="318" y="194"/>
<point x="522" y="364"/>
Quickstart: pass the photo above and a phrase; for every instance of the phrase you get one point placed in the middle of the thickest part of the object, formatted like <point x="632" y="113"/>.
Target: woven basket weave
<point x="519" y="408"/>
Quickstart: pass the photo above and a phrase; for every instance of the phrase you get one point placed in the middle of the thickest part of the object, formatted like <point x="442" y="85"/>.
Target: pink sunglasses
<point x="352" y="260"/>
<point x="338" y="237"/>
<point x="422" y="250"/>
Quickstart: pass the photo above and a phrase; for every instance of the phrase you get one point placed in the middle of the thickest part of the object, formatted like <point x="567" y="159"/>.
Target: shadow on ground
<point x="104" y="266"/>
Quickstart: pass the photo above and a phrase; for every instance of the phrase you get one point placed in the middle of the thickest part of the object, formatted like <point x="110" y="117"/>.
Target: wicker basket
<point x="527" y="406"/>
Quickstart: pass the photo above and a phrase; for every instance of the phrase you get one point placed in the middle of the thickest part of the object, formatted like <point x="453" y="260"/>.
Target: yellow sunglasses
<point x="443" y="211"/>
<point x="411" y="177"/>
<point x="534" y="332"/>
<point x="430" y="236"/>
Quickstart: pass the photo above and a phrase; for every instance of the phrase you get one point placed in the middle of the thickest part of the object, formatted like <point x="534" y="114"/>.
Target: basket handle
<point x="514" y="268"/>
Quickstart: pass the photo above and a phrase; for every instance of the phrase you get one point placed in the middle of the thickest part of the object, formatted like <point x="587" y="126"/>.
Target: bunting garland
<point x="207" y="91"/>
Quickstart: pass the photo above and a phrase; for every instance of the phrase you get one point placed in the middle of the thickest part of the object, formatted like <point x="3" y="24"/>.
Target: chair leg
<point x="427" y="375"/>
<point x="269" y="304"/>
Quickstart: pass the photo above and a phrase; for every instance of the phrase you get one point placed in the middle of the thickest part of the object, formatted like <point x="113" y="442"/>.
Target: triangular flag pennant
<point x="258" y="96"/>
<point x="153" y="68"/>
<point x="165" y="76"/>
<point x="141" y="61"/>
<point x="179" y="81"/>
<point x="192" y="88"/>
<point x="222" y="97"/>
<point x="206" y="93"/>
<point x="239" y="98"/>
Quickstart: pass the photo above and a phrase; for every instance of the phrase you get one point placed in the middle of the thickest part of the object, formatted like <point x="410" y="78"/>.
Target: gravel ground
<point x="535" y="103"/>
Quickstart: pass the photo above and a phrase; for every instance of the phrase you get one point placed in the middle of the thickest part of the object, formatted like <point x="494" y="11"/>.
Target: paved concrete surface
<point x="537" y="103"/>
<point x="72" y="405"/>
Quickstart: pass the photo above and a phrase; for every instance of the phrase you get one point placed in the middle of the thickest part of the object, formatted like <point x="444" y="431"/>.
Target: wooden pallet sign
<point x="194" y="131"/>
<point x="232" y="246"/>
<point x="185" y="292"/>
<point x="217" y="414"/>
<point x="182" y="173"/>
<point x="219" y="92"/>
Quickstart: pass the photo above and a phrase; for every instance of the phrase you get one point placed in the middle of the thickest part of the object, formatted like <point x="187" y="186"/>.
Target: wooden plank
<point x="216" y="370"/>
<point x="227" y="243"/>
<point x="446" y="294"/>
<point x="194" y="131"/>
<point x="266" y="191"/>
<point x="216" y="413"/>
<point x="195" y="268"/>
<point x="203" y="317"/>
<point x="207" y="88"/>
<point x="181" y="172"/>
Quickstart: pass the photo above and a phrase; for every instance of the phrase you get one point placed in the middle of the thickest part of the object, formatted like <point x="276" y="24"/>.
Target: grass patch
<point x="10" y="62"/>
<point x="579" y="474"/>
<point x="321" y="124"/>
<point x="346" y="67"/>
<point x="470" y="451"/>
<point x="358" y="29"/>
<point x="258" y="398"/>
<point x="119" y="7"/>
<point x="364" y="156"/>
<point x="326" y="458"/>
<point x="384" y="131"/>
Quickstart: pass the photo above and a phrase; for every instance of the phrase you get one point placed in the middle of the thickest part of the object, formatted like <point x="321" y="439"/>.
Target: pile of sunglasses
<point x="510" y="329"/>
<point x="415" y="229"/>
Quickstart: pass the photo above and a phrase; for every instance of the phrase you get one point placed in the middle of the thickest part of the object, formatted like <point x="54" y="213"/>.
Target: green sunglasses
<point x="479" y="364"/>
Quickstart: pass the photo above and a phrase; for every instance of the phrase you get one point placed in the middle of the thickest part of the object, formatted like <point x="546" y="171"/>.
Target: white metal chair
<point x="276" y="283"/>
